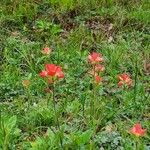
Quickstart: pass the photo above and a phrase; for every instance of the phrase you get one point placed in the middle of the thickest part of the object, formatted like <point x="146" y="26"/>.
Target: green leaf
<point x="10" y="123"/>
<point x="84" y="137"/>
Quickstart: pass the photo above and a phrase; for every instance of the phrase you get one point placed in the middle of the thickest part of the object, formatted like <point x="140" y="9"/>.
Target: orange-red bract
<point x="124" y="79"/>
<point x="99" y="68"/>
<point x="43" y="73"/>
<point x="95" y="58"/>
<point x="137" y="130"/>
<point x="59" y="72"/>
<point x="52" y="70"/>
<point x="98" y="79"/>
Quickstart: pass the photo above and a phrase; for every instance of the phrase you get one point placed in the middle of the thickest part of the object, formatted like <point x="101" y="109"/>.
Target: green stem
<point x="6" y="143"/>
<point x="137" y="144"/>
<point x="4" y="135"/>
<point x="83" y="108"/>
<point x="29" y="99"/>
<point x="94" y="90"/>
<point x="83" y="104"/>
<point x="0" y="120"/>
<point x="56" y="117"/>
<point x="93" y="94"/>
<point x="48" y="99"/>
<point x="135" y="86"/>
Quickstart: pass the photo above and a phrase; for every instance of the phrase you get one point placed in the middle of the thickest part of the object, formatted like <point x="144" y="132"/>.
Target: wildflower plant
<point x="52" y="74"/>
<point x="124" y="80"/>
<point x="138" y="132"/>
<point x="95" y="60"/>
<point x="26" y="84"/>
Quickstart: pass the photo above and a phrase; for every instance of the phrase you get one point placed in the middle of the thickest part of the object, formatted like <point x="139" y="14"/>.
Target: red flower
<point x="124" y="79"/>
<point x="43" y="73"/>
<point x="46" y="50"/>
<point x="98" y="79"/>
<point x="95" y="58"/>
<point x="52" y="70"/>
<point x="99" y="68"/>
<point x="137" y="130"/>
<point x="59" y="72"/>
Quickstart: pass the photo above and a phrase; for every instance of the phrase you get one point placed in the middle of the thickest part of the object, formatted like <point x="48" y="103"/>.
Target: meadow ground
<point x="83" y="108"/>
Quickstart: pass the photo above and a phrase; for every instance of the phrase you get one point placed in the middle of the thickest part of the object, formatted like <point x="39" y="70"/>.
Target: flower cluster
<point x="52" y="71"/>
<point x="94" y="59"/>
<point x="124" y="79"/>
<point x="137" y="130"/>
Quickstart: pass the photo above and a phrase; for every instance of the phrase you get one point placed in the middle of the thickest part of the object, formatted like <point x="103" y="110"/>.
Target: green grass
<point x="73" y="30"/>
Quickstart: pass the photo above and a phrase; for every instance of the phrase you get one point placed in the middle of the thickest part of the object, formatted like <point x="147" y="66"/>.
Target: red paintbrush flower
<point x="98" y="79"/>
<point x="59" y="72"/>
<point x="124" y="79"/>
<point x="99" y="68"/>
<point x="43" y="73"/>
<point x="46" y="50"/>
<point x="95" y="58"/>
<point x="52" y="70"/>
<point x="137" y="130"/>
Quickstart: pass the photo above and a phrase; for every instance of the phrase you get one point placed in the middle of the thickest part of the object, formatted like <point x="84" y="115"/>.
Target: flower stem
<point x="48" y="99"/>
<point x="56" y="117"/>
<point x="93" y="94"/>
<point x="94" y="90"/>
<point x="0" y="120"/>
<point x="135" y="86"/>
<point x="137" y="147"/>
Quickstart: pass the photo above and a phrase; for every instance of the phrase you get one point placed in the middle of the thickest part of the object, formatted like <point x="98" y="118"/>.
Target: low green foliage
<point x="9" y="133"/>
